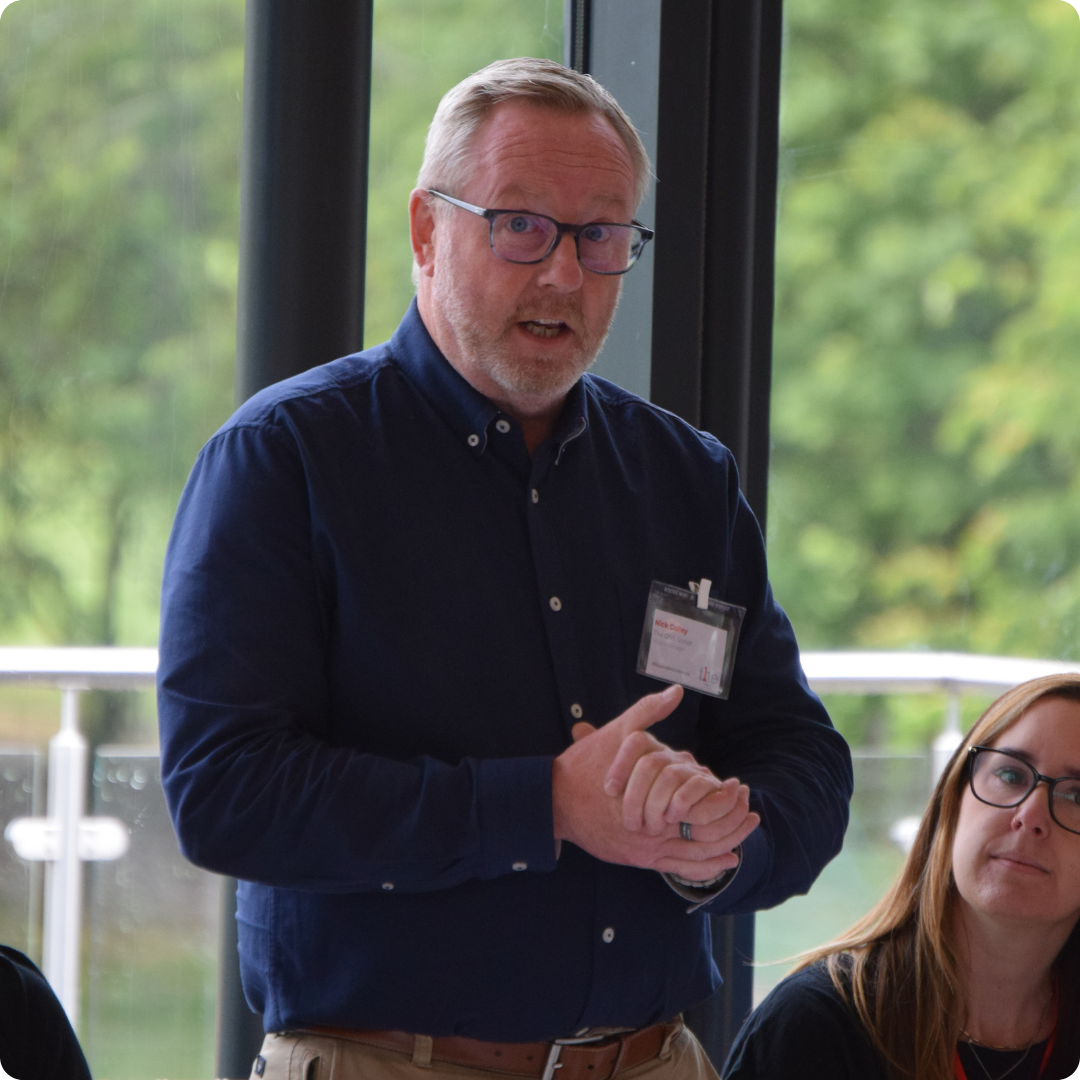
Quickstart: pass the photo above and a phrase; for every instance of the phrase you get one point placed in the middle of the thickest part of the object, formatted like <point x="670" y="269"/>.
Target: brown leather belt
<point x="601" y="1060"/>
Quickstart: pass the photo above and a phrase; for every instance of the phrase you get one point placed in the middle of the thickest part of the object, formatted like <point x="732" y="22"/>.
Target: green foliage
<point x="119" y="210"/>
<point x="421" y="49"/>
<point x="927" y="381"/>
<point x="119" y="126"/>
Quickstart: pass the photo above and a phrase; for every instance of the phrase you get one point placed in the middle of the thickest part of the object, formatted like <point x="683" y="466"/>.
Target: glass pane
<point x="924" y="486"/>
<point x="150" y="977"/>
<point x="119" y="147"/>
<point x="21" y="795"/>
<point x="890" y="793"/>
<point x="421" y="49"/>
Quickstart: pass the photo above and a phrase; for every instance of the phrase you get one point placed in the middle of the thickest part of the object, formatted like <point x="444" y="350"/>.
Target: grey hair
<point x="465" y="107"/>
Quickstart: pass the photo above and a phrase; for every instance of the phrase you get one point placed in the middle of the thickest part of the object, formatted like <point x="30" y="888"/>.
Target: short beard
<point x="540" y="377"/>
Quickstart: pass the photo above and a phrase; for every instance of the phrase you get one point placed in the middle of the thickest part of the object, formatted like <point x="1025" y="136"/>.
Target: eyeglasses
<point x="999" y="778"/>
<point x="520" y="236"/>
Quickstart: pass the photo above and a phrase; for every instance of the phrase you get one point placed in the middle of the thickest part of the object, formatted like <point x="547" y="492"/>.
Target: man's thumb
<point x="650" y="710"/>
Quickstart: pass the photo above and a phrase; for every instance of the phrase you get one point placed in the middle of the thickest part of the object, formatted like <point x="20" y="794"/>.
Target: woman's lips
<point x="1019" y="862"/>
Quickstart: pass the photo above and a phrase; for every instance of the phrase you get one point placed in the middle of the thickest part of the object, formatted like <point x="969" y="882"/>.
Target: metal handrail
<point x="79" y="667"/>
<point x="923" y="672"/>
<point x="67" y="838"/>
<point x="114" y="668"/>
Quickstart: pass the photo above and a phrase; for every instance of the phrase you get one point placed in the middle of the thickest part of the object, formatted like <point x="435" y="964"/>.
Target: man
<point x="403" y="599"/>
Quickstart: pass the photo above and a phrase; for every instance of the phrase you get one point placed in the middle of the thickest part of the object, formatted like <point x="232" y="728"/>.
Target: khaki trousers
<point x="321" y="1057"/>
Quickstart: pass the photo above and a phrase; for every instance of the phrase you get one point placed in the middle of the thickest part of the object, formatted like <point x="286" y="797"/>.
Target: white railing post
<point x="63" y="875"/>
<point x="950" y="738"/>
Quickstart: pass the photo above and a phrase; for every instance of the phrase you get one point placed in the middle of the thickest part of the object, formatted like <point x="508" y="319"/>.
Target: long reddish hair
<point x="897" y="966"/>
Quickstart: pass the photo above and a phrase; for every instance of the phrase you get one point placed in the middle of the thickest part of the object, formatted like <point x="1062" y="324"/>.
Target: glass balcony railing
<point x="127" y="930"/>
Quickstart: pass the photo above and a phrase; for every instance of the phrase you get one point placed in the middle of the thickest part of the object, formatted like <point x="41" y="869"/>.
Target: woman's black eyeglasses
<point x="1000" y="778"/>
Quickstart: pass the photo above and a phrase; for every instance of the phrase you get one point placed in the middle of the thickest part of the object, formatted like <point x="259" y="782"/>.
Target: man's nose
<point x="561" y="268"/>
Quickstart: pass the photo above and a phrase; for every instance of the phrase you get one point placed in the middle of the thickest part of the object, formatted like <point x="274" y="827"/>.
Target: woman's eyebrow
<point x="1024" y="755"/>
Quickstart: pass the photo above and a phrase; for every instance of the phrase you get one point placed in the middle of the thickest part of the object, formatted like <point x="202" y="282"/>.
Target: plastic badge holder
<point x="687" y="643"/>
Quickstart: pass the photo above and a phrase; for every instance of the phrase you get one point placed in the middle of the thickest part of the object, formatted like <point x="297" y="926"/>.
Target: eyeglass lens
<point x="602" y="248"/>
<point x="1002" y="780"/>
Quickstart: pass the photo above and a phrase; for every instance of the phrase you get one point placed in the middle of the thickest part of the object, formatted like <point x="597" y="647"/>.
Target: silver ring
<point x="684" y="830"/>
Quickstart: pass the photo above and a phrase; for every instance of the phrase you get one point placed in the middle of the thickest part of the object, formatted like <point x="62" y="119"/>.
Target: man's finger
<point x="696" y="787"/>
<point x="647" y="711"/>
<point x="674" y="778"/>
<point x="580" y="730"/>
<point x="649" y="770"/>
<point x="641" y="715"/>
<point x="708" y="838"/>
<point x="699" y="804"/>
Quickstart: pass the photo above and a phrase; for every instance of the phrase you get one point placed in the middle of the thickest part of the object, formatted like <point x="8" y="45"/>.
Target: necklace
<point x="990" y="1046"/>
<point x="1001" y="1076"/>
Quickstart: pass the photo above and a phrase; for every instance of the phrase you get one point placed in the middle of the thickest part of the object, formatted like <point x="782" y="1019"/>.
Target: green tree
<point x="119" y="130"/>
<point x="119" y="209"/>
<point x="421" y="49"/>
<point x="925" y="482"/>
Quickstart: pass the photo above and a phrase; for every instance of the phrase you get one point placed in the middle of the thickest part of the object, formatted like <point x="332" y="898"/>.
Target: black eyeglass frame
<point x="561" y="229"/>
<point x="1051" y="782"/>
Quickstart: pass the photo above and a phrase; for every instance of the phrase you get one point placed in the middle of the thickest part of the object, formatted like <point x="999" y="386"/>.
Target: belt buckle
<point x="556" y="1050"/>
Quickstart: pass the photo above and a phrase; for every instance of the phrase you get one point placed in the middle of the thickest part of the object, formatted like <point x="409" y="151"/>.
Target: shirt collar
<point x="464" y="408"/>
<point x="467" y="412"/>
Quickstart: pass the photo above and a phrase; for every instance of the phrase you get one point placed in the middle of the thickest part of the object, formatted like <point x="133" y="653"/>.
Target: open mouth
<point x="545" y="328"/>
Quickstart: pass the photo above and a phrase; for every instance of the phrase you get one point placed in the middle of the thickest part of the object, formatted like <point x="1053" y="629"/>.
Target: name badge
<point x="690" y="639"/>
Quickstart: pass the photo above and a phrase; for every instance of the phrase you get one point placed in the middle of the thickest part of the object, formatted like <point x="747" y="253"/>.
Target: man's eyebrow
<point x="1024" y="755"/>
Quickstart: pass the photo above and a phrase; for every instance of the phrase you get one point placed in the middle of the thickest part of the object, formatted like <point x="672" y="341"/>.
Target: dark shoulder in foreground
<point x="36" y="1040"/>
<point x="803" y="1029"/>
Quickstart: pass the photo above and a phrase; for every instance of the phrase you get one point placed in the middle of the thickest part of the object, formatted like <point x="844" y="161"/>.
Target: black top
<point x="805" y="1029"/>
<point x="36" y="1040"/>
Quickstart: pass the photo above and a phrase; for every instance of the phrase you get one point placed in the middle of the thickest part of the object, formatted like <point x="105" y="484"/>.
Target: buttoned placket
<point x="547" y="502"/>
<point x="542" y="508"/>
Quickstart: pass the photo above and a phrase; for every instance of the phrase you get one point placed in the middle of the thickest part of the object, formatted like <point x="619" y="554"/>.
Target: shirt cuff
<point x="516" y="819"/>
<point x="701" y="892"/>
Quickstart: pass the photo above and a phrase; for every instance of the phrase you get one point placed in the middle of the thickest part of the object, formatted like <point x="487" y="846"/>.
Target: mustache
<point x="564" y="309"/>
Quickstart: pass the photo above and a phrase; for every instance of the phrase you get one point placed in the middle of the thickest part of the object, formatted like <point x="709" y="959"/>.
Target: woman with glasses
<point x="969" y="968"/>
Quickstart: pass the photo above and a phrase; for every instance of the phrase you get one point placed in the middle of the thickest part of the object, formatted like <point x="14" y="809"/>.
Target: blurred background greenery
<point x="924" y="485"/>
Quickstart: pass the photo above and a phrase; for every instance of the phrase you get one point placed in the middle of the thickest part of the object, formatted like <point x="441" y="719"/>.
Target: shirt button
<point x="556" y="604"/>
<point x="535" y="495"/>
<point x="576" y="711"/>
<point x="502" y="425"/>
<point x="520" y="866"/>
<point x="388" y="885"/>
<point x="473" y="440"/>
<point x="608" y="935"/>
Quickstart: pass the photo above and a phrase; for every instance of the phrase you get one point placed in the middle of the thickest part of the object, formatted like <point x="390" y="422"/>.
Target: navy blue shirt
<point x="380" y="620"/>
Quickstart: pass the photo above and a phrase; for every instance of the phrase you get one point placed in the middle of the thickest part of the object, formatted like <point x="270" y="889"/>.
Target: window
<point x="923" y="492"/>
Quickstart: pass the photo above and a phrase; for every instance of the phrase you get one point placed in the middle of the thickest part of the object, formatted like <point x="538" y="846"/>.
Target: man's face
<point x="524" y="334"/>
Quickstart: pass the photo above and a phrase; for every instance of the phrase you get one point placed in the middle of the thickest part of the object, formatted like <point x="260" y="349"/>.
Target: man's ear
<point x="422" y="231"/>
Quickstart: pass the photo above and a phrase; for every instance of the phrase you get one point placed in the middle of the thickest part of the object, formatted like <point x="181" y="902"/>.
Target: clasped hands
<point x="620" y="794"/>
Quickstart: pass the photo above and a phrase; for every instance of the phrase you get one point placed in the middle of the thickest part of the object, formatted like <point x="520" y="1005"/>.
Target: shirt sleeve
<point x="255" y="787"/>
<point x="803" y="1029"/>
<point x="774" y="734"/>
